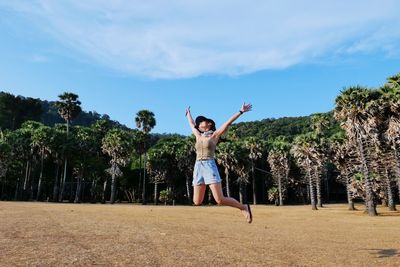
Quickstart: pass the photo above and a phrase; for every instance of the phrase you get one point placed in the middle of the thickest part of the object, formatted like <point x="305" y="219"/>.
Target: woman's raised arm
<point x="245" y="108"/>
<point x="191" y="123"/>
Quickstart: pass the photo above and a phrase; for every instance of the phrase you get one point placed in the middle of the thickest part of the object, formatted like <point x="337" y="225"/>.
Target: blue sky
<point x="288" y="58"/>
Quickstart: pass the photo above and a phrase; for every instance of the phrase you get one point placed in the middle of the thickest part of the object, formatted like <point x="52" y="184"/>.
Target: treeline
<point x="350" y="154"/>
<point x="14" y="110"/>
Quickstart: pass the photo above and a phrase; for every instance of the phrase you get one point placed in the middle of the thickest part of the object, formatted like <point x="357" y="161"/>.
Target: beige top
<point x="205" y="149"/>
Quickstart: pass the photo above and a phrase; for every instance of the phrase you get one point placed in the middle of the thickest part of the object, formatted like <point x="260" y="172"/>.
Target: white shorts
<point x="205" y="172"/>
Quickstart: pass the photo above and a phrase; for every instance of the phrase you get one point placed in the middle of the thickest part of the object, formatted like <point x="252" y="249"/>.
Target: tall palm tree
<point x="41" y="138"/>
<point x="185" y="158"/>
<point x="390" y="106"/>
<point x="227" y="157"/>
<point x="304" y="152"/>
<point x="117" y="145"/>
<point x="345" y="160"/>
<point x="279" y="161"/>
<point x="145" y="121"/>
<point x="68" y="108"/>
<point x="157" y="165"/>
<point x="352" y="111"/>
<point x="241" y="170"/>
<point x="255" y="152"/>
<point x="85" y="146"/>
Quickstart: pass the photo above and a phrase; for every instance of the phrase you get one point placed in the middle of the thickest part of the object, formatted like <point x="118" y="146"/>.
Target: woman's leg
<point x="219" y="197"/>
<point x="228" y="201"/>
<point x="198" y="194"/>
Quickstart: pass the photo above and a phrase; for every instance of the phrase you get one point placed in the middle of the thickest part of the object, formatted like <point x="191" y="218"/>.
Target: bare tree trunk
<point x="228" y="191"/>
<point x="349" y="196"/>
<point x="93" y="191"/>
<point x="16" y="190"/>
<point x="389" y="191"/>
<point x="369" y="199"/>
<point x="61" y="197"/>
<point x="189" y="197"/>
<point x="254" y="183"/>
<point x="55" y="187"/>
<point x="311" y="186"/>
<point x="397" y="168"/>
<point x="318" y="187"/>
<point x="39" y="189"/>
<point x="140" y="176"/>
<point x="155" y="193"/>
<point x="113" y="186"/>
<point x="78" y="190"/>
<point x="280" y="191"/>
<point x="144" y="201"/>
<point x="103" y="200"/>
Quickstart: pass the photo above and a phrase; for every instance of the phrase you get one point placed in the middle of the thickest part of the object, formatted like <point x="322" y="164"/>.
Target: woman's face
<point x="205" y="126"/>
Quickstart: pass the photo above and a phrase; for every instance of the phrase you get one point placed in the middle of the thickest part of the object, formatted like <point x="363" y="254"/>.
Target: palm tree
<point x="185" y="156"/>
<point x="319" y="122"/>
<point x="145" y="121"/>
<point x="279" y="161"/>
<point x="227" y="157"/>
<point x="394" y="81"/>
<point x="68" y="108"/>
<point x="117" y="145"/>
<point x="85" y="146"/>
<point x="345" y="160"/>
<point x="157" y="165"/>
<point x="241" y="169"/>
<point x="352" y="111"/>
<point x="255" y="152"/>
<point x="390" y="106"/>
<point x="41" y="138"/>
<point x="304" y="152"/>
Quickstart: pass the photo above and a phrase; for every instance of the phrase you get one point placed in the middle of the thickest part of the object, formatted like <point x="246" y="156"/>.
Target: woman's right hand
<point x="187" y="111"/>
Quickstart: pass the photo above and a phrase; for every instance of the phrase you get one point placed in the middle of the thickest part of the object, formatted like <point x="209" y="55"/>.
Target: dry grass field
<point x="45" y="234"/>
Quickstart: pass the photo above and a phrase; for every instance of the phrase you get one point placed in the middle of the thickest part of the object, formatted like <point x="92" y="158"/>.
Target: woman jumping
<point x="205" y="169"/>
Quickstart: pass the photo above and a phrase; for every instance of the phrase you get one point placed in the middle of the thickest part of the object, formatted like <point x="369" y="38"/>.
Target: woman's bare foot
<point x="247" y="213"/>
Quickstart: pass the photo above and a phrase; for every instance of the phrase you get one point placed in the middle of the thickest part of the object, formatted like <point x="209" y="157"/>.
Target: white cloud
<point x="177" y="39"/>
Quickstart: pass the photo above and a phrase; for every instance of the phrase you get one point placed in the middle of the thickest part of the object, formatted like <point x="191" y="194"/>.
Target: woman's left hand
<point x="246" y="107"/>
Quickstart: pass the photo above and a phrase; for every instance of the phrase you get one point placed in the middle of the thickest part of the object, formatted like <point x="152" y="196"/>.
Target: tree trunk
<point x="311" y="186"/>
<point x="397" y="167"/>
<point x="55" y="187"/>
<point x="228" y="191"/>
<point x="188" y="194"/>
<point x="16" y="190"/>
<point x="349" y="196"/>
<point x="144" y="201"/>
<point x="113" y="187"/>
<point x="369" y="199"/>
<point x="280" y="191"/>
<point x="155" y="193"/>
<point x="389" y="191"/>
<point x="39" y="189"/>
<point x="254" y="184"/>
<point x="78" y="190"/>
<point x="92" y="191"/>
<point x="140" y="177"/>
<point x="103" y="199"/>
<point x="61" y="197"/>
<point x="318" y="187"/>
<point x="242" y="193"/>
<point x="26" y="175"/>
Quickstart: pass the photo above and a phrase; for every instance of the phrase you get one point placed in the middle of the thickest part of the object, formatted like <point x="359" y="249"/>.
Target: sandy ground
<point x="45" y="234"/>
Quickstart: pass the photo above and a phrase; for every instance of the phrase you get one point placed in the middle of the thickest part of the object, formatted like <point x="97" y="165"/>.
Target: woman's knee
<point x="220" y="200"/>
<point x="197" y="202"/>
